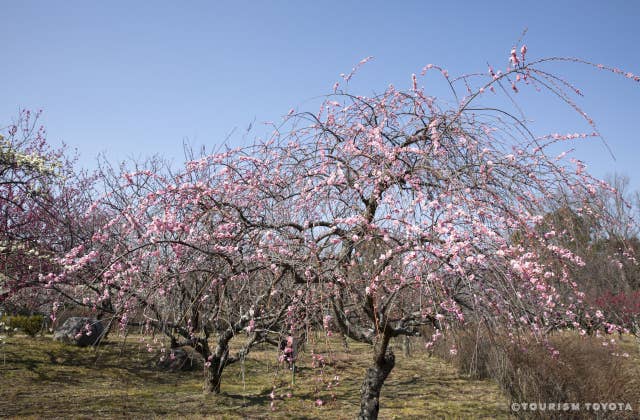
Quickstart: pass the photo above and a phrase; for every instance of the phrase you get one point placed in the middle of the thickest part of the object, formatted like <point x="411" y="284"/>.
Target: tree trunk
<point x="384" y="361"/>
<point x="215" y="361"/>
<point x="370" y="390"/>
<point x="212" y="379"/>
<point x="406" y="346"/>
<point x="213" y="372"/>
<point x="345" y="343"/>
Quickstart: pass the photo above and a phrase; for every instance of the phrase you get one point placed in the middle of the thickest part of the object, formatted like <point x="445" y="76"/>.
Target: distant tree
<point x="42" y="200"/>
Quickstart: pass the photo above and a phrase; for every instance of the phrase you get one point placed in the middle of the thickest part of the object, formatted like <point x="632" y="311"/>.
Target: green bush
<point x="30" y="325"/>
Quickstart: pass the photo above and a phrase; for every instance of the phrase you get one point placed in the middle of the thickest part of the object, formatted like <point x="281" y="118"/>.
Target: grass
<point x="119" y="379"/>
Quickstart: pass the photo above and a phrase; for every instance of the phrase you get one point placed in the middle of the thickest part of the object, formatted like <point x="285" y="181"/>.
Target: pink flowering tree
<point x="373" y="217"/>
<point x="41" y="198"/>
<point x="611" y="272"/>
<point x="406" y="210"/>
<point x="187" y="254"/>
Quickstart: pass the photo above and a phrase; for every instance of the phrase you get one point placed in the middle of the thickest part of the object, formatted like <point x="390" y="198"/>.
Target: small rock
<point x="176" y="360"/>
<point x="80" y="331"/>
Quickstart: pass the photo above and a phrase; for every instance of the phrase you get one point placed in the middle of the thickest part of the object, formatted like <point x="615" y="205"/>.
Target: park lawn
<point x="42" y="378"/>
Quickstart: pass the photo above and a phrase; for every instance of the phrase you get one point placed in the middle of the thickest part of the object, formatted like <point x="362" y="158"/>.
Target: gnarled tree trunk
<point x="215" y="362"/>
<point x="384" y="361"/>
<point x="219" y="358"/>
<point x="213" y="372"/>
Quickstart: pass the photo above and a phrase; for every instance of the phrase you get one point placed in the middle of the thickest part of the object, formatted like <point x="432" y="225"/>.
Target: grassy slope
<point x="42" y="378"/>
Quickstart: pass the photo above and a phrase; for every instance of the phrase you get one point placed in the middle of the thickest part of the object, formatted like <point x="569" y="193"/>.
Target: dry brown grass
<point x="585" y="369"/>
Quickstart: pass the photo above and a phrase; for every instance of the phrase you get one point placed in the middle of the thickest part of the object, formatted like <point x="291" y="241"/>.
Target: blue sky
<point x="136" y="78"/>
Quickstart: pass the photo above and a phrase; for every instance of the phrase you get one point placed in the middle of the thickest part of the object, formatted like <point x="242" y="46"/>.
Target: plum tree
<point x="407" y="209"/>
<point x="184" y="254"/>
<point x="375" y="216"/>
<point x="42" y="199"/>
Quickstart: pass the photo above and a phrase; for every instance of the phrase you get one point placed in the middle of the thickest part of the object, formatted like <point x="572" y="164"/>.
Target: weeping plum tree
<point x="407" y="210"/>
<point x="375" y="216"/>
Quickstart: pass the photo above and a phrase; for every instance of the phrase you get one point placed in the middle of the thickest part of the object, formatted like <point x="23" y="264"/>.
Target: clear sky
<point x="136" y="78"/>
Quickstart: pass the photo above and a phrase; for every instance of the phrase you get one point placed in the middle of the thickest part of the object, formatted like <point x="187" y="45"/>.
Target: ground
<point x="43" y="378"/>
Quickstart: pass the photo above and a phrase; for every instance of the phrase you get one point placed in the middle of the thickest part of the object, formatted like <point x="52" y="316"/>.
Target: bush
<point x="583" y="370"/>
<point x="478" y="353"/>
<point x="30" y="325"/>
<point x="4" y="327"/>
<point x="622" y="308"/>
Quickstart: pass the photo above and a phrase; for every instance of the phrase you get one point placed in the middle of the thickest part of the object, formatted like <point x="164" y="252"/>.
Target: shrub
<point x="478" y="353"/>
<point x="569" y="368"/>
<point x="584" y="370"/>
<point x="4" y="326"/>
<point x="7" y="326"/>
<point x="623" y="308"/>
<point x="30" y="325"/>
